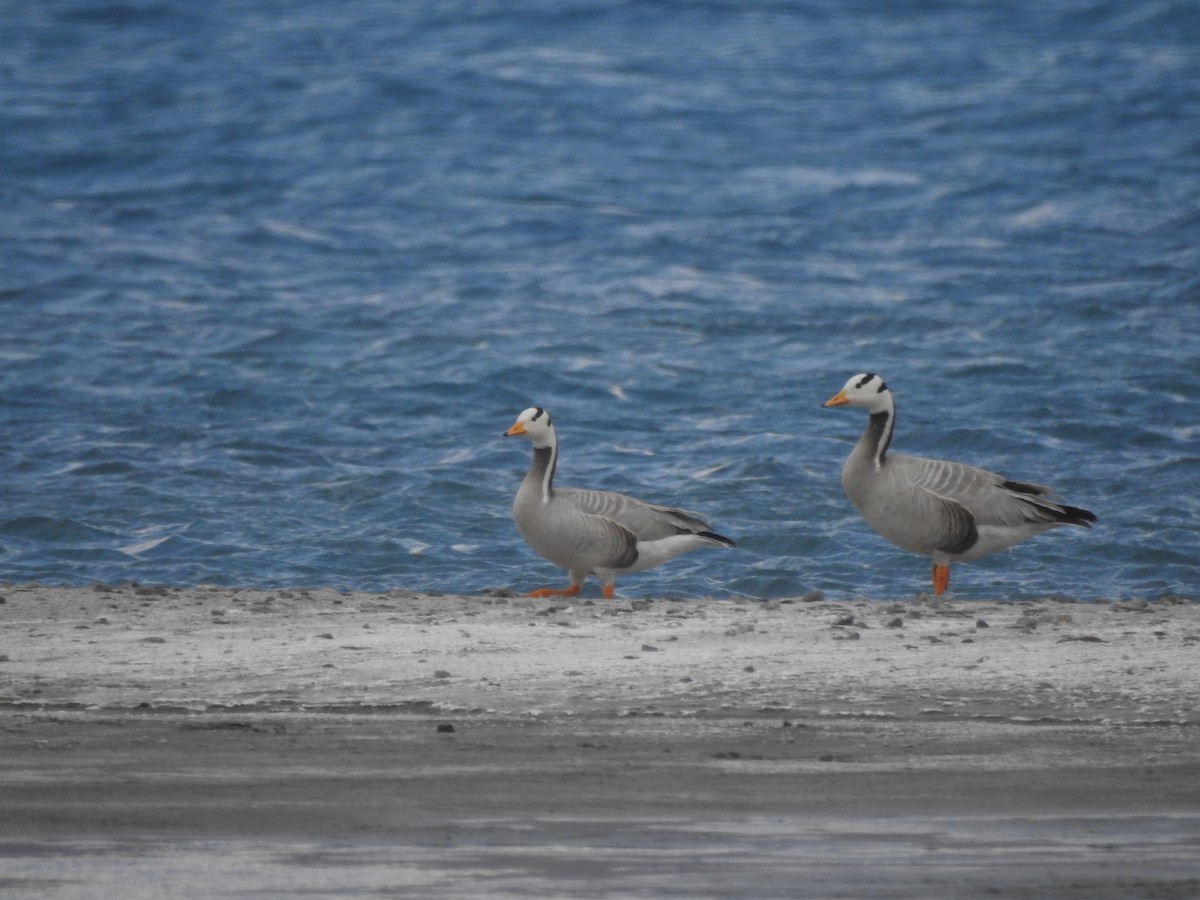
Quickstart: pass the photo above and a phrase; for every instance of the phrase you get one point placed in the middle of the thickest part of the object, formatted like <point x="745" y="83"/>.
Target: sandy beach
<point x="208" y="742"/>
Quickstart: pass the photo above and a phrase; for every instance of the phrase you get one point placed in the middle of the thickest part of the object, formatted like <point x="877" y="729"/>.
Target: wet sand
<point x="207" y="742"/>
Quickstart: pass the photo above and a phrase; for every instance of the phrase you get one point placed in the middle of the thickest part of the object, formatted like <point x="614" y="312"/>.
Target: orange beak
<point x="518" y="428"/>
<point x="838" y="399"/>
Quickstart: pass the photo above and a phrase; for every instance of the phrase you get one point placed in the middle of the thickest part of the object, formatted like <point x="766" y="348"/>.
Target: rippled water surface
<point x="276" y="277"/>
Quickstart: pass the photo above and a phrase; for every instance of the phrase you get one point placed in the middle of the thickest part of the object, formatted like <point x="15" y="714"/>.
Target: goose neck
<point x="545" y="460"/>
<point x="878" y="436"/>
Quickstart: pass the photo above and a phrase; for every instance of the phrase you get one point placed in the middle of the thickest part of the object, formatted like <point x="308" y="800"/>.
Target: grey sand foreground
<point x="500" y="746"/>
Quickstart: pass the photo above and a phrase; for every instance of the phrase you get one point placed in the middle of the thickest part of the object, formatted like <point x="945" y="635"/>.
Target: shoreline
<point x="495" y="746"/>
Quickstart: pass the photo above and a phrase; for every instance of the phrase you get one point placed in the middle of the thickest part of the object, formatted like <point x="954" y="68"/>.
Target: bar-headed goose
<point x="590" y="532"/>
<point x="947" y="510"/>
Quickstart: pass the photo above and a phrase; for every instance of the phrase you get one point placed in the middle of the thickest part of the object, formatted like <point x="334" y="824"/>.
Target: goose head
<point x="534" y="424"/>
<point x="867" y="391"/>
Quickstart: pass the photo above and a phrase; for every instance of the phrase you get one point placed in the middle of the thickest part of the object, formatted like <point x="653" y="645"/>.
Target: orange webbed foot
<point x="570" y="591"/>
<point x="607" y="591"/>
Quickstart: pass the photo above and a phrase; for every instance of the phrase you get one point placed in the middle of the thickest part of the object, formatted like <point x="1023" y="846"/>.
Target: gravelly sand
<point x="208" y="742"/>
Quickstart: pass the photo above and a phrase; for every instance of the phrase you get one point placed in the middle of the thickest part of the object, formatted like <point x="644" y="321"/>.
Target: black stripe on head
<point x="868" y="378"/>
<point x="538" y="413"/>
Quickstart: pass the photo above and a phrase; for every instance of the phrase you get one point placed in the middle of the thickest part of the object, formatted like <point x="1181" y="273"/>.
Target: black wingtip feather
<point x="1070" y="515"/>
<point x="1074" y="515"/>
<point x="719" y="538"/>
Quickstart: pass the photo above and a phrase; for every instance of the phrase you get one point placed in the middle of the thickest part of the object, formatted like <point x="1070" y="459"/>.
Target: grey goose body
<point x="590" y="532"/>
<point x="949" y="511"/>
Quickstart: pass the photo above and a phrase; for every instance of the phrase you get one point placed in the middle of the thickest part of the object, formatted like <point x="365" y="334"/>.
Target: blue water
<point x="277" y="276"/>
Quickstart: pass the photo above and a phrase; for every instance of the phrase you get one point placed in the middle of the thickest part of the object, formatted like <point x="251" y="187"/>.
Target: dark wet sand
<point x="653" y="749"/>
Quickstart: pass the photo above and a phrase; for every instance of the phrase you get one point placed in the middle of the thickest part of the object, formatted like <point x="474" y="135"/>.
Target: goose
<point x="590" y="532"/>
<point x="946" y="510"/>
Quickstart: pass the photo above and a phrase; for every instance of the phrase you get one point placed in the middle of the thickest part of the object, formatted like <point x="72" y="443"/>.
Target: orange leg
<point x="570" y="591"/>
<point x="607" y="591"/>
<point x="941" y="579"/>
